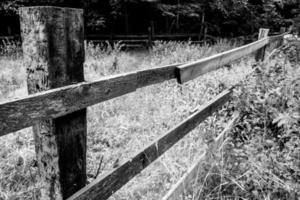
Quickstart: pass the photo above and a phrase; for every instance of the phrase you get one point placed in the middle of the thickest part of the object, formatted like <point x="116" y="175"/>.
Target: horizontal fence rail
<point x="105" y="186"/>
<point x="141" y="36"/>
<point x="22" y="113"/>
<point x="192" y="70"/>
<point x="177" y="190"/>
<point x="275" y="38"/>
<point x="8" y="37"/>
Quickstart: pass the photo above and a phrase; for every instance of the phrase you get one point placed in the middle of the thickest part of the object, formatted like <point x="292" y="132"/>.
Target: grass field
<point x="118" y="128"/>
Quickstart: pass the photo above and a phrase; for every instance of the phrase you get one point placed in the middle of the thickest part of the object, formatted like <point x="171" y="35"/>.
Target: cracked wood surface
<point x="195" y="69"/>
<point x="260" y="54"/>
<point x="53" y="56"/>
<point x="22" y="113"/>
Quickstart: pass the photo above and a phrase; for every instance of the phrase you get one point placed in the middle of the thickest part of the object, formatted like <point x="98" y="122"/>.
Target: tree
<point x="226" y="18"/>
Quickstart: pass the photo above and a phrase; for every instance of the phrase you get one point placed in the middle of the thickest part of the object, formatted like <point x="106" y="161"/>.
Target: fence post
<point x="282" y="30"/>
<point x="150" y="36"/>
<point x="204" y="34"/>
<point x="53" y="46"/>
<point x="260" y="54"/>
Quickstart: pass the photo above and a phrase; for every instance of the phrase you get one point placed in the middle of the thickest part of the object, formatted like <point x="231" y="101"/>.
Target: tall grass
<point x="118" y="128"/>
<point x="260" y="158"/>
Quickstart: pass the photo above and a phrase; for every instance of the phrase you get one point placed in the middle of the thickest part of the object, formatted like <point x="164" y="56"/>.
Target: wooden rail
<point x="22" y="113"/>
<point x="277" y="37"/>
<point x="105" y="186"/>
<point x="141" y="37"/>
<point x="54" y="112"/>
<point x="140" y="40"/>
<point x="7" y="37"/>
<point x="192" y="70"/>
<point x="177" y="190"/>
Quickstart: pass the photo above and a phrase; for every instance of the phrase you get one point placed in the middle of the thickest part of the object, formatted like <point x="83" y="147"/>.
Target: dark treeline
<point x="225" y="18"/>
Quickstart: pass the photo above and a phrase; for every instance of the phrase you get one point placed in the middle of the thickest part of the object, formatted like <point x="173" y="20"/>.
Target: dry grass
<point x="118" y="128"/>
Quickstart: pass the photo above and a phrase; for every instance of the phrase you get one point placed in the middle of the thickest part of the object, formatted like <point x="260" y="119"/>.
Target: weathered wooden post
<point x="150" y="36"/>
<point x="280" y="43"/>
<point x="204" y="34"/>
<point x="202" y="25"/>
<point x="282" y="30"/>
<point x="260" y="54"/>
<point x="53" y="46"/>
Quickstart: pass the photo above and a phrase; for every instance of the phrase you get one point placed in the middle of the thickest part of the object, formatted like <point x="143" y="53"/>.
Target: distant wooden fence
<point x="8" y="40"/>
<point x="133" y="40"/>
<point x="54" y="55"/>
<point x="146" y="40"/>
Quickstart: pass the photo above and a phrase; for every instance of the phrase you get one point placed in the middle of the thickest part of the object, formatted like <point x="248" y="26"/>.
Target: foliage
<point x="261" y="157"/>
<point x="8" y="7"/>
<point x="269" y="133"/>
<point x="222" y="18"/>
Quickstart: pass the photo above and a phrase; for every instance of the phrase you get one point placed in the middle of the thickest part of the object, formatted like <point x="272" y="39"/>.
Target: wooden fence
<point x="58" y="97"/>
<point x="146" y="40"/>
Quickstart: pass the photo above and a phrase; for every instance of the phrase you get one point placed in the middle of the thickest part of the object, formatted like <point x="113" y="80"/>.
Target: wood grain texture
<point x="156" y="75"/>
<point x="22" y="113"/>
<point x="260" y="54"/>
<point x="278" y="38"/>
<point x="177" y="190"/>
<point x="53" y="56"/>
<point x="192" y="70"/>
<point x="104" y="186"/>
